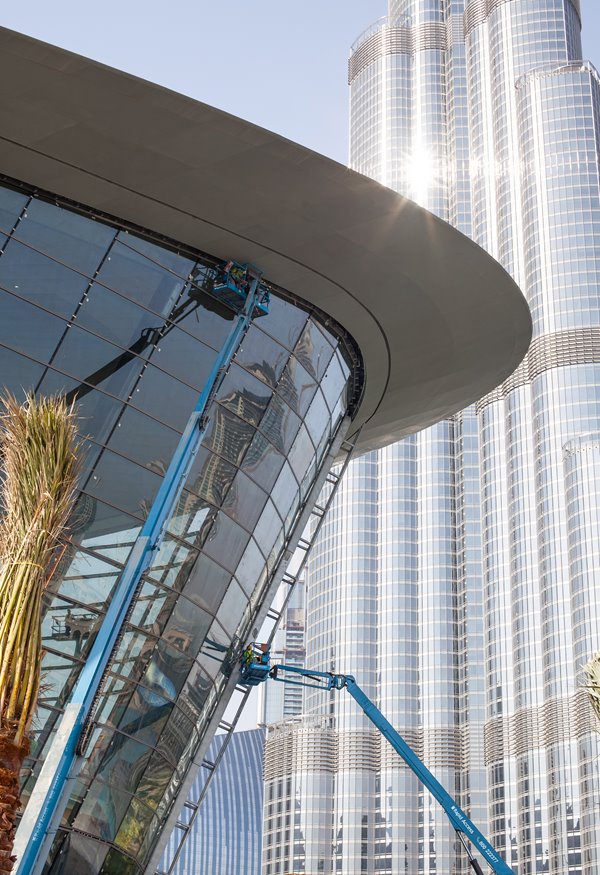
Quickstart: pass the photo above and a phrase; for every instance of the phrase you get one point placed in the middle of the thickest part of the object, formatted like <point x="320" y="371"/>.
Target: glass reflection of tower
<point x="457" y="572"/>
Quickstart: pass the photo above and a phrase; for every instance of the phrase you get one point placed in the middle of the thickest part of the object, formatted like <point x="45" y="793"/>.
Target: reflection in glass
<point x="131" y="312"/>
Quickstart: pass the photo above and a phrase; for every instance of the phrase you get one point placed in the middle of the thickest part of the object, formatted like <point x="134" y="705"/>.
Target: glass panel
<point x="152" y="607"/>
<point x="103" y="529"/>
<point x="85" y="578"/>
<point x="68" y="628"/>
<point x="280" y="424"/>
<point x="262" y="462"/>
<point x="138" y="824"/>
<point x="94" y="361"/>
<point x="119" y="320"/>
<point x="155" y="780"/>
<point x="192" y="519"/>
<point x="175" y="736"/>
<point x="232" y="608"/>
<point x="59" y="673"/>
<point x="210" y="477"/>
<point x="173" y="563"/>
<point x="203" y="317"/>
<point x="167" y="669"/>
<point x="284" y="321"/>
<point x="144" y="440"/>
<point x="114" y="700"/>
<point x="244" y="501"/>
<point x="318" y="418"/>
<point x="133" y="653"/>
<point x="244" y="394"/>
<point x="124" y="761"/>
<point x="11" y="207"/>
<point x="19" y="374"/>
<point x="40" y="280"/>
<point x="186" y="628"/>
<point x="147" y="711"/>
<point x="285" y="493"/>
<point x="334" y="382"/>
<point x="339" y="411"/>
<point x="302" y="453"/>
<point x="196" y="689"/>
<point x="150" y="393"/>
<point x="117" y="863"/>
<point x="226" y="542"/>
<point x="267" y="528"/>
<point x="297" y="387"/>
<point x="27" y="328"/>
<point x="97" y="413"/>
<point x="207" y="584"/>
<point x="172" y="261"/>
<point x="276" y="553"/>
<point x="308" y="480"/>
<point x="252" y="568"/>
<point x="215" y="651"/>
<point x="138" y="278"/>
<point x="313" y="351"/>
<point x="262" y="356"/>
<point x="227" y="435"/>
<point x="102" y="810"/>
<point x="70" y="238"/>
<point x="123" y="483"/>
<point x="84" y="853"/>
<point x="184" y="357"/>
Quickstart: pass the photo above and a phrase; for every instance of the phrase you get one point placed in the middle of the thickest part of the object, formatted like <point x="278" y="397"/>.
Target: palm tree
<point x="592" y="672"/>
<point x="39" y="448"/>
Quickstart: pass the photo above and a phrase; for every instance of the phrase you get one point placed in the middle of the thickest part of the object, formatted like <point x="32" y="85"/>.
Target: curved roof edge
<point x="438" y="321"/>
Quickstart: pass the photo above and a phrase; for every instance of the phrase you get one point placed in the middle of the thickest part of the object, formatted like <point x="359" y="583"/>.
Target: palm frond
<point x="39" y="450"/>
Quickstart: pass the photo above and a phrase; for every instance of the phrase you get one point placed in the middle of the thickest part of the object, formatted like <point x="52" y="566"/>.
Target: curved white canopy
<point x="439" y="323"/>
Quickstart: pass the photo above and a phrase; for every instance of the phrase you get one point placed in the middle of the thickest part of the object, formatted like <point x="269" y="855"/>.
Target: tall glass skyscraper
<point x="457" y="575"/>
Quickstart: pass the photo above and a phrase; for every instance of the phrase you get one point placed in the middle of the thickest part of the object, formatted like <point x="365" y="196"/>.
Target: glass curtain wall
<point x="127" y="327"/>
<point x="483" y="591"/>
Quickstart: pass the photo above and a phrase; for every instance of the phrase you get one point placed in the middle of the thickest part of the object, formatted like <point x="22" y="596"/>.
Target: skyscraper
<point x="280" y="701"/>
<point x="226" y="834"/>
<point x="457" y="574"/>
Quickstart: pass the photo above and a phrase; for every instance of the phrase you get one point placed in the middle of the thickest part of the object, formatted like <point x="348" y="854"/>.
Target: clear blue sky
<point x="278" y="63"/>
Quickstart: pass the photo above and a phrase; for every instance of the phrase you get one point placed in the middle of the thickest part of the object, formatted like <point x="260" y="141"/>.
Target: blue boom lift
<point x="256" y="668"/>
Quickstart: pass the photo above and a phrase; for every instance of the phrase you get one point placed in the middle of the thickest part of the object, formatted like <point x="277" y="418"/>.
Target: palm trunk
<point x="11" y="761"/>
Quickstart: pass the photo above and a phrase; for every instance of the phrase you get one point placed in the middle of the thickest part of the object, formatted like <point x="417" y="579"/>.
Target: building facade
<point x="457" y="574"/>
<point x="227" y="833"/>
<point x="121" y="203"/>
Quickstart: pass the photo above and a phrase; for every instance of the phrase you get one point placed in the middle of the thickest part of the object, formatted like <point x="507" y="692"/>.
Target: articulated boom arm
<point x="256" y="668"/>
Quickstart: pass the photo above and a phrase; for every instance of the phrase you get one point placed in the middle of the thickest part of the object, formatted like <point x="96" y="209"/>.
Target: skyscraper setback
<point x="457" y="574"/>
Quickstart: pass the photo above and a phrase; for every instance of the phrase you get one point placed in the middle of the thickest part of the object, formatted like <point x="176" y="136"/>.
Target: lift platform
<point x="255" y="664"/>
<point x="233" y="284"/>
<point x="256" y="668"/>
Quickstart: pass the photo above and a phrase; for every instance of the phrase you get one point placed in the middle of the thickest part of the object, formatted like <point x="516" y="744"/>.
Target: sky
<point x="277" y="63"/>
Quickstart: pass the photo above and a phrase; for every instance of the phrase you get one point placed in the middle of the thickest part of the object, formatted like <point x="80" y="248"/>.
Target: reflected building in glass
<point x="120" y="203"/>
<point x="226" y="835"/>
<point x="457" y="575"/>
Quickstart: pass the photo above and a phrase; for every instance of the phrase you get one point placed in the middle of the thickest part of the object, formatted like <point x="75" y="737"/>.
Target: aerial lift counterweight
<point x="256" y="668"/>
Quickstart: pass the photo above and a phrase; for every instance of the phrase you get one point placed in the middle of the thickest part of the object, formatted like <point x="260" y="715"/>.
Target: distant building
<point x="458" y="574"/>
<point x="226" y="835"/>
<point x="280" y="701"/>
